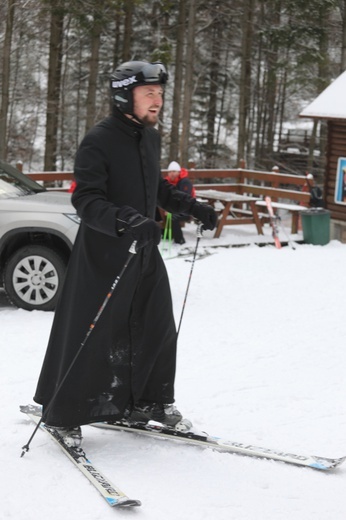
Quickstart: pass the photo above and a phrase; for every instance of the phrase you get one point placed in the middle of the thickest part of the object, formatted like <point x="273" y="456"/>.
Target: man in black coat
<point x="127" y="366"/>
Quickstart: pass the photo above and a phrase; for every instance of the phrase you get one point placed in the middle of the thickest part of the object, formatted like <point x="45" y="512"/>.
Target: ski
<point x="188" y="437"/>
<point x="272" y="221"/>
<point x="186" y="253"/>
<point x="113" y="495"/>
<point x="218" y="444"/>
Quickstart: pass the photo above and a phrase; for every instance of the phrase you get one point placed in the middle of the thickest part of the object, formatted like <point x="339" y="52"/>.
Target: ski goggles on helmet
<point x="152" y="73"/>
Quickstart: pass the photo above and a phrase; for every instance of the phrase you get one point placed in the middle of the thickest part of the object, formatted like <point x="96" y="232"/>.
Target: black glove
<point x="142" y="229"/>
<point x="205" y="214"/>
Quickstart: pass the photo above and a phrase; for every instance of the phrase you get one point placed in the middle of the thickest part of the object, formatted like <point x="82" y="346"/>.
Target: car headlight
<point x="74" y="217"/>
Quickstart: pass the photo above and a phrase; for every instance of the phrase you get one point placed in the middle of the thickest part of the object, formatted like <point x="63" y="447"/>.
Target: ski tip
<point x="327" y="464"/>
<point x="124" y="502"/>
<point x="338" y="462"/>
<point x="30" y="408"/>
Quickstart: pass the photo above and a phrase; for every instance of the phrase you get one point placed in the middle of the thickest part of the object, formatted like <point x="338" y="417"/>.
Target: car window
<point x="11" y="187"/>
<point x="14" y="183"/>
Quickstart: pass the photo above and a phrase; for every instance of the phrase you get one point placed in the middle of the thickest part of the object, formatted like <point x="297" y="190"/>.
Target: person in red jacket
<point x="72" y="186"/>
<point x="178" y="177"/>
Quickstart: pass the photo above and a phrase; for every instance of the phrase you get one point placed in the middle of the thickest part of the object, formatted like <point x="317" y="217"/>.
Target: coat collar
<point x="127" y="125"/>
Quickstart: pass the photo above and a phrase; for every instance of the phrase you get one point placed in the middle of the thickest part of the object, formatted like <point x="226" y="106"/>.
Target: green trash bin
<point x="316" y="226"/>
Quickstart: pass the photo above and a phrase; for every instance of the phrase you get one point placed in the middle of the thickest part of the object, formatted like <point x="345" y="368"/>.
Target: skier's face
<point x="173" y="174"/>
<point x="147" y="103"/>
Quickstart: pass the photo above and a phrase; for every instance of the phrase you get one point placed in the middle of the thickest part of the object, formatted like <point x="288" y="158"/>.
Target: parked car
<point x="37" y="231"/>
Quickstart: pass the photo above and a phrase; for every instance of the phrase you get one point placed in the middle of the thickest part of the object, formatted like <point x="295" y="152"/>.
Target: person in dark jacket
<point x="126" y="368"/>
<point x="179" y="178"/>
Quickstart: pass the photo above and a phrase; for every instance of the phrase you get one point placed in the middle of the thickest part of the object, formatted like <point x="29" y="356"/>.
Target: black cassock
<point x="131" y="352"/>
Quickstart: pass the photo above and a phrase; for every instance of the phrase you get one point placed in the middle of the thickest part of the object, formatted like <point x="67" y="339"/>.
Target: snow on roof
<point x="331" y="103"/>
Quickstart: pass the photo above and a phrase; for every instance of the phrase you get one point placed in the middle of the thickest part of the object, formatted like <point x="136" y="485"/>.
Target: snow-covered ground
<point x="262" y="356"/>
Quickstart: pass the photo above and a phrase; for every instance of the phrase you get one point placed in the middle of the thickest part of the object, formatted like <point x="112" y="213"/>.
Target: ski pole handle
<point x="133" y="248"/>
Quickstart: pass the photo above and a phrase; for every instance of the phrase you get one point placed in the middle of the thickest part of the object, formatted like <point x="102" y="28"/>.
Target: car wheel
<point x="33" y="277"/>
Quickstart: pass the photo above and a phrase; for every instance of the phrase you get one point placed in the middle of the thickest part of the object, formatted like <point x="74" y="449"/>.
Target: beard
<point x="148" y="120"/>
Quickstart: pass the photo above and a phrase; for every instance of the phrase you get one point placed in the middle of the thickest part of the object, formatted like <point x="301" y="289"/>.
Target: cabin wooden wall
<point x="336" y="148"/>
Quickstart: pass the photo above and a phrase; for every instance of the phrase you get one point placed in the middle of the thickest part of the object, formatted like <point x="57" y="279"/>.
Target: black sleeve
<point x="90" y="196"/>
<point x="185" y="185"/>
<point x="173" y="200"/>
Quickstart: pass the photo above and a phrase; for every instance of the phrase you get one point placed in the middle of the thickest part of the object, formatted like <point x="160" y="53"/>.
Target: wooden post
<point x="275" y="183"/>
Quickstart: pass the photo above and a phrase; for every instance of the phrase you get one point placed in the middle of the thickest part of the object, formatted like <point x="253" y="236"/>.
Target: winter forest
<point x="240" y="73"/>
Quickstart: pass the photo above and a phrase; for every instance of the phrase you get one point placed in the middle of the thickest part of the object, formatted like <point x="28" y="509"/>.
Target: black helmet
<point x="133" y="74"/>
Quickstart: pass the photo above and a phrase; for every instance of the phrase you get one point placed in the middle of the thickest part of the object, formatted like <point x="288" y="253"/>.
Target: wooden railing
<point x="284" y="189"/>
<point x="254" y="182"/>
<point x="239" y="180"/>
<point x="56" y="177"/>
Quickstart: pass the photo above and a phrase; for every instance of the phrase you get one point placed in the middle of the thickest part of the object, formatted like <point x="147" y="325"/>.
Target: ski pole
<point x="199" y="235"/>
<point x="167" y="234"/>
<point x="132" y="252"/>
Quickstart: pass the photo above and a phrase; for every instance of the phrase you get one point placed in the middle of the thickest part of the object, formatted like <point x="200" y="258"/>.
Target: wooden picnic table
<point x="231" y="215"/>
